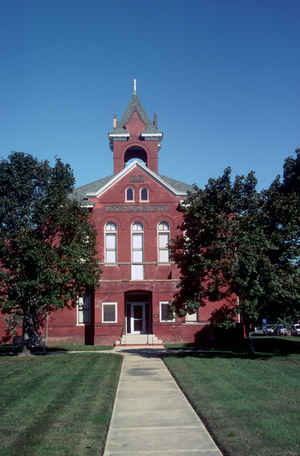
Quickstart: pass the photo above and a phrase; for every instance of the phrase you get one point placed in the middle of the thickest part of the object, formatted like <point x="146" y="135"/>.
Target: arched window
<point x="163" y="238"/>
<point x="129" y="194"/>
<point x="110" y="233"/>
<point x="137" y="251"/>
<point x="144" y="194"/>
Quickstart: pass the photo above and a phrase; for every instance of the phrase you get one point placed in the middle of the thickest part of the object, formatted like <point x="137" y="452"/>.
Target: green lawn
<point x="56" y="404"/>
<point x="250" y="405"/>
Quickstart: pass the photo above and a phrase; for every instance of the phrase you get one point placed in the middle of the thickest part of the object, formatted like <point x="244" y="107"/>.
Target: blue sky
<point x="222" y="76"/>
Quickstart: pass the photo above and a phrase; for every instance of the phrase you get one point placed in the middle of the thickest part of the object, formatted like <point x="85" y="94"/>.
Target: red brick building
<point x="134" y="212"/>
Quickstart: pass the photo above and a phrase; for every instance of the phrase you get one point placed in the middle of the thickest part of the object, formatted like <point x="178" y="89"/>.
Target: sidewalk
<point x="151" y="415"/>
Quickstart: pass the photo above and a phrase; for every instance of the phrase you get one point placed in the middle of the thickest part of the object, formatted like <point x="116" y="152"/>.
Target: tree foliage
<point x="237" y="241"/>
<point x="47" y="244"/>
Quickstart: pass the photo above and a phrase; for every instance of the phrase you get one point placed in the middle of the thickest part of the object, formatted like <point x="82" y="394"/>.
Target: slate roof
<point x="178" y="185"/>
<point x="80" y="193"/>
<point x="135" y="105"/>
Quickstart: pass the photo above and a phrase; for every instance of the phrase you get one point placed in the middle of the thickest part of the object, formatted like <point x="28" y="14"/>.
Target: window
<point x="144" y="194"/>
<point x="110" y="243"/>
<point x="83" y="310"/>
<point x="166" y="312"/>
<point x="137" y="251"/>
<point x="163" y="236"/>
<point x="129" y="194"/>
<point x="109" y="312"/>
<point x="191" y="317"/>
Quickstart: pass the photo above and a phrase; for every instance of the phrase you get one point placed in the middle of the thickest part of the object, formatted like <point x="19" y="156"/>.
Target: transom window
<point x="163" y="238"/>
<point x="144" y="194"/>
<point x="110" y="243"/>
<point x="129" y="194"/>
<point x="137" y="251"/>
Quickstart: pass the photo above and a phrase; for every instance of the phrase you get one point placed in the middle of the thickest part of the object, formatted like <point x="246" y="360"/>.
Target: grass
<point x="250" y="405"/>
<point x="56" y="404"/>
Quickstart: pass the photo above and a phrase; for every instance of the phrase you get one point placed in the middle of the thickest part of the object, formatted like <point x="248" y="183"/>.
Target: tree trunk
<point x="250" y="345"/>
<point x="29" y="332"/>
<point x="246" y="330"/>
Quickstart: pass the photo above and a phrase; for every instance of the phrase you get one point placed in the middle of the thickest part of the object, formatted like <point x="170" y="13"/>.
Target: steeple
<point x="135" y="136"/>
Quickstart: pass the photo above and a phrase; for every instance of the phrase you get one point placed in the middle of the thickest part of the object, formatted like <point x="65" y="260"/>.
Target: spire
<point x="134" y="87"/>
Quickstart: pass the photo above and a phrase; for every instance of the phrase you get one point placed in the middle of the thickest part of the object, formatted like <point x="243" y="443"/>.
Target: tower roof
<point x="135" y="105"/>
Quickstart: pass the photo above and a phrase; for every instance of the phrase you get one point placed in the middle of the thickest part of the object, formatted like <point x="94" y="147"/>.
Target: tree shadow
<point x="16" y="350"/>
<point x="261" y="348"/>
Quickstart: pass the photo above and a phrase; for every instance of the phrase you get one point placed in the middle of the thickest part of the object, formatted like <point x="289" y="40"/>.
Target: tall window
<point x="129" y="194"/>
<point x="163" y="236"/>
<point x="144" y="194"/>
<point x="84" y="310"/>
<point x="137" y="251"/>
<point x="110" y="243"/>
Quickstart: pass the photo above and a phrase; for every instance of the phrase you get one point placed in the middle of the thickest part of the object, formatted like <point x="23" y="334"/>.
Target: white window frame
<point x="133" y="195"/>
<point x="191" y="318"/>
<point x="161" y="249"/>
<point x="146" y="200"/>
<point x="160" y="312"/>
<point x="135" y="263"/>
<point x="110" y="232"/>
<point x="81" y="303"/>
<point x="116" y="312"/>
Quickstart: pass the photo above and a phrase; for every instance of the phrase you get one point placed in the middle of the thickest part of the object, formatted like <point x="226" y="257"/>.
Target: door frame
<point x="143" y="305"/>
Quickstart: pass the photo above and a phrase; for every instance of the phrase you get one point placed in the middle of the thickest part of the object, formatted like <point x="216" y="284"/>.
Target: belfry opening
<point x="135" y="152"/>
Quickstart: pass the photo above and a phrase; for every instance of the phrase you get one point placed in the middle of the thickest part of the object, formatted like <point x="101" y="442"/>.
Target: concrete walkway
<point x="151" y="415"/>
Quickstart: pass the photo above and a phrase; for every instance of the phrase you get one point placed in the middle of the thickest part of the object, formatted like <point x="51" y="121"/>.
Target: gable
<point x="167" y="184"/>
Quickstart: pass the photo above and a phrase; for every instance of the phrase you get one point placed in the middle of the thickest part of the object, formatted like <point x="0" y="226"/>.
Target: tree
<point x="47" y="244"/>
<point x="235" y="241"/>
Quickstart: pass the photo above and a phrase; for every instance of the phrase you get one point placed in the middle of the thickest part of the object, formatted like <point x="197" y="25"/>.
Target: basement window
<point x="166" y="312"/>
<point x="109" y="312"/>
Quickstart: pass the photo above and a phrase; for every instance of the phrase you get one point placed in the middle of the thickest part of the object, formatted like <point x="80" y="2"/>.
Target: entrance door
<point x="137" y="318"/>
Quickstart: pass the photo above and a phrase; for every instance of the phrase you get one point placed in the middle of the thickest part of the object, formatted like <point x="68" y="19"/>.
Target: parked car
<point x="295" y="330"/>
<point x="280" y="330"/>
<point x="258" y="331"/>
<point x="268" y="330"/>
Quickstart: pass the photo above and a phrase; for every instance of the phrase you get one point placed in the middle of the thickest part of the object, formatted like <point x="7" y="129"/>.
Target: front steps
<point x="139" y="339"/>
